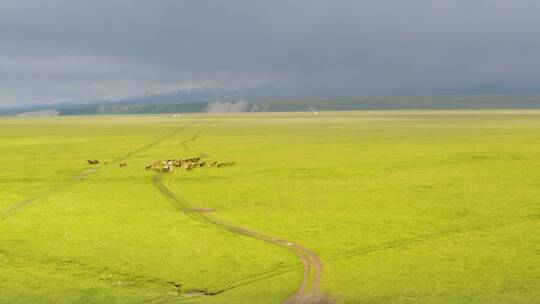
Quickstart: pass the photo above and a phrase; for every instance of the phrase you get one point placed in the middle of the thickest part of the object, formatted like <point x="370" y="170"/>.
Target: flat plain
<point x="343" y="207"/>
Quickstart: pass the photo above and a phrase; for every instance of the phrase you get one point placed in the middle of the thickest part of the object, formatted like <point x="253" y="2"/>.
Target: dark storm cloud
<point x="81" y="50"/>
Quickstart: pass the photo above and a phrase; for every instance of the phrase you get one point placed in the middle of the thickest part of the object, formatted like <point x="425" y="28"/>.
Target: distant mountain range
<point x="193" y="95"/>
<point x="204" y="94"/>
<point x="211" y="99"/>
<point x="289" y="105"/>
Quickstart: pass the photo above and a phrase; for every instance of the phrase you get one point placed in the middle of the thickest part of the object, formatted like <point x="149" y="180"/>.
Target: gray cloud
<point x="82" y="50"/>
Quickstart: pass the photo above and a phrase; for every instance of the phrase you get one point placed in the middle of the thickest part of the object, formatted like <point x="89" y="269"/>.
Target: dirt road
<point x="309" y="291"/>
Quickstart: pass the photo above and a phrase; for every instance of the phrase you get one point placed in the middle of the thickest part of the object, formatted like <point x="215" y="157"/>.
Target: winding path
<point x="309" y="291"/>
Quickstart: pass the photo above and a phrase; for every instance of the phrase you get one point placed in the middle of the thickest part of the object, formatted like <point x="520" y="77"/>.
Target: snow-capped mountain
<point x="202" y="94"/>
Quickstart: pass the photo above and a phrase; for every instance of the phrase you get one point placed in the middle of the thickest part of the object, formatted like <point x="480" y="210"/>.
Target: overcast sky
<point x="54" y="50"/>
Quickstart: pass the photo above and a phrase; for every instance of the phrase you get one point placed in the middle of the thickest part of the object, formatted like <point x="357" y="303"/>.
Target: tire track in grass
<point x="423" y="238"/>
<point x="152" y="144"/>
<point x="195" y="136"/>
<point x="377" y="248"/>
<point x="79" y="269"/>
<point x="354" y="253"/>
<point x="310" y="288"/>
<point x="82" y="176"/>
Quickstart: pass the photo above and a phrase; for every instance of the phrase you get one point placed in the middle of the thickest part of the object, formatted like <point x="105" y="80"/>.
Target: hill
<point x="144" y="106"/>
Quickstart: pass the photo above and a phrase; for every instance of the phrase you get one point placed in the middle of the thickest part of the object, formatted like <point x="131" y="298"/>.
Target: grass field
<point x="388" y="207"/>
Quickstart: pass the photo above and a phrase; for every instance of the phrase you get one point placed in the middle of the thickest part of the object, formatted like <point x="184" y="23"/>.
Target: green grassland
<point x="401" y="207"/>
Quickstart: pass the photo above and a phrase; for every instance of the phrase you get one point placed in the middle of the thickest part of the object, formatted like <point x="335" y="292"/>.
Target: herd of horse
<point x="169" y="165"/>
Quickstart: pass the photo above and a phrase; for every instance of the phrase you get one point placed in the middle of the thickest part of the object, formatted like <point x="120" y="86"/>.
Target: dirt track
<point x="309" y="291"/>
